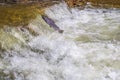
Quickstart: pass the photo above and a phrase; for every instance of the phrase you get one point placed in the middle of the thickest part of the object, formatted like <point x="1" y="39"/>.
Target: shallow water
<point x="89" y="48"/>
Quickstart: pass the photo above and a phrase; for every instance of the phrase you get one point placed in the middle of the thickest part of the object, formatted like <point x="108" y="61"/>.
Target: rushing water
<point x="89" y="48"/>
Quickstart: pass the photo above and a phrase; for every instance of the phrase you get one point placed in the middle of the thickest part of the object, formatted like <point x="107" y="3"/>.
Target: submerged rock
<point x="8" y="41"/>
<point x="16" y="37"/>
<point x="17" y="15"/>
<point x="22" y="14"/>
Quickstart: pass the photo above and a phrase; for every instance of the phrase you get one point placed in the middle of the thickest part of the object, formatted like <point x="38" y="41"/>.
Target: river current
<point x="88" y="49"/>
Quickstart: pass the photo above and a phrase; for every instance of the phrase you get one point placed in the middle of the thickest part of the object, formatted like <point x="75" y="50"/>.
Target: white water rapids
<point x="89" y="48"/>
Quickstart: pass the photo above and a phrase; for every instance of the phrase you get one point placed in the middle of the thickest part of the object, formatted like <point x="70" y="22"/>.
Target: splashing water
<point x="89" y="48"/>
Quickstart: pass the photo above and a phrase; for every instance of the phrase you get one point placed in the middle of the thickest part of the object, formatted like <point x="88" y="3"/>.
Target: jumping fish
<point x="51" y="23"/>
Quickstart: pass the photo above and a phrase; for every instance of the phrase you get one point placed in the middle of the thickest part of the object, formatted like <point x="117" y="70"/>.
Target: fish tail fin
<point x="61" y="31"/>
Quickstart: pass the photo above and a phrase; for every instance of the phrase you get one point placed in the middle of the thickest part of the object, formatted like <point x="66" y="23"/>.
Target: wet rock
<point x="95" y="3"/>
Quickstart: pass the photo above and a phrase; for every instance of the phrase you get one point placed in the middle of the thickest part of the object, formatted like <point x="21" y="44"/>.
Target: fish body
<point x="51" y="23"/>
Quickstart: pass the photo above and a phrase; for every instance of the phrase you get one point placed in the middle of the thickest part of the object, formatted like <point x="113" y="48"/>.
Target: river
<point x="88" y="49"/>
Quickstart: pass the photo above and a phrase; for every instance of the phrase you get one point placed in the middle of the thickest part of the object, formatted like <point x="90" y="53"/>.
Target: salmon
<point x="51" y="23"/>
